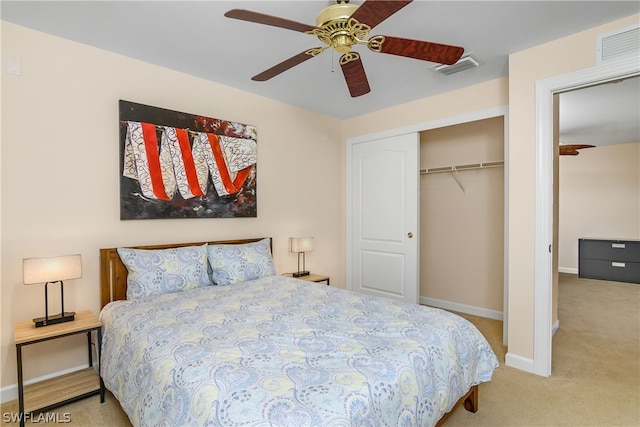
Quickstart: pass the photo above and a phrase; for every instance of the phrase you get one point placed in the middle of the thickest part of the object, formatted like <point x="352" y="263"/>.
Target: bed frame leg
<point x="471" y="401"/>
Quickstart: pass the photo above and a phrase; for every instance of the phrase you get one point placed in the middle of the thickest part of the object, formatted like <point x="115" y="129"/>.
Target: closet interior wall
<point x="462" y="217"/>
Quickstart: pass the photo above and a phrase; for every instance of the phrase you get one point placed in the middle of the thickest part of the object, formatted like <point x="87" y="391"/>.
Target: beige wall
<point x="462" y="232"/>
<point x="60" y="185"/>
<point x="599" y="197"/>
<point x="467" y="100"/>
<point x="566" y="55"/>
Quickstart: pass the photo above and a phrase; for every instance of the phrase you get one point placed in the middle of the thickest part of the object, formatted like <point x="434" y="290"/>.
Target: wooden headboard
<point x="113" y="273"/>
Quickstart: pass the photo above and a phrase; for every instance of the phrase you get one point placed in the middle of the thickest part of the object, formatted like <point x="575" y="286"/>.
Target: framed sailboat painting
<point x="180" y="165"/>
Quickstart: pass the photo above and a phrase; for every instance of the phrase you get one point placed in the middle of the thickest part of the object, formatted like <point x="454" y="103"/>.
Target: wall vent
<point x="618" y="44"/>
<point x="466" y="61"/>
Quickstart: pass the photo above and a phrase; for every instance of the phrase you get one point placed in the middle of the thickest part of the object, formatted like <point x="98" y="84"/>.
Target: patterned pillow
<point x="236" y="263"/>
<point x="161" y="271"/>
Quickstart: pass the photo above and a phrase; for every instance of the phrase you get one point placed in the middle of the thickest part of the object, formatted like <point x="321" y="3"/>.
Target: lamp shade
<point x="51" y="269"/>
<point x="300" y="244"/>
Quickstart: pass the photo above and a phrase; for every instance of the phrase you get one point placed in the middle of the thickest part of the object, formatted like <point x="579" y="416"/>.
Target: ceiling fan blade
<point x="354" y="74"/>
<point x="373" y="12"/>
<point x="572" y="149"/>
<point x="274" y="21"/>
<point x="426" y="51"/>
<point x="283" y="66"/>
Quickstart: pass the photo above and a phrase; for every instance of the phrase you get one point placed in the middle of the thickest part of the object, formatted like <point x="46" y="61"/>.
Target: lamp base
<point x="300" y="273"/>
<point x="68" y="316"/>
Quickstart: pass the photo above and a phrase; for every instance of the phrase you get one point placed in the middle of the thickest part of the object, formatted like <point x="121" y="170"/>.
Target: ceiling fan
<point x="572" y="149"/>
<point x="343" y="25"/>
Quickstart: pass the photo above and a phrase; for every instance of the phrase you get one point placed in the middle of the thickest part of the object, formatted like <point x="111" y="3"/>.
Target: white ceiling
<point x="601" y="115"/>
<point x="194" y="37"/>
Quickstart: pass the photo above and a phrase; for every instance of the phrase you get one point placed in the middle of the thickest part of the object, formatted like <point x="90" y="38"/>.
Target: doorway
<point x="605" y="175"/>
<point x="545" y="184"/>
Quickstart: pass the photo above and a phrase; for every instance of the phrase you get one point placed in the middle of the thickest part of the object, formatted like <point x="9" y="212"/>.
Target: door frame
<point x="502" y="111"/>
<point x="544" y="208"/>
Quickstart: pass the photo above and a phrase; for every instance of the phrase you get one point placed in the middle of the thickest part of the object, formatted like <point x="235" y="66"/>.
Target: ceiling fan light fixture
<point x="342" y="43"/>
<point x="466" y="62"/>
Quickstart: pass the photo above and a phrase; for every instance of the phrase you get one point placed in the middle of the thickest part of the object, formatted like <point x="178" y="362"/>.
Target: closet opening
<point x="477" y="166"/>
<point x="462" y="217"/>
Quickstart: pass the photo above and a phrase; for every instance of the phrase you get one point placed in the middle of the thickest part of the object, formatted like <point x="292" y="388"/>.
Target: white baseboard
<point x="462" y="308"/>
<point x="10" y="392"/>
<point x="519" y="362"/>
<point x="568" y="270"/>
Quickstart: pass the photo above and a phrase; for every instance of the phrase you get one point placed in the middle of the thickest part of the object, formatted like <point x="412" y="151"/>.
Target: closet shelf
<point x="463" y="167"/>
<point x="454" y="170"/>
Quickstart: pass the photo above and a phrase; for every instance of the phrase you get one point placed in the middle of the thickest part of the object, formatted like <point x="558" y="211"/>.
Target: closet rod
<point x="463" y="167"/>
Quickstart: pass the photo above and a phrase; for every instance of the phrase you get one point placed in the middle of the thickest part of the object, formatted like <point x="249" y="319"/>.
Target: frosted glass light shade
<point x="300" y="244"/>
<point x="51" y="269"/>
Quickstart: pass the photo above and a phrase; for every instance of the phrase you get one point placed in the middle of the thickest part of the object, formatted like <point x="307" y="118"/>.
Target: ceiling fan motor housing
<point x="335" y="29"/>
<point x="336" y="12"/>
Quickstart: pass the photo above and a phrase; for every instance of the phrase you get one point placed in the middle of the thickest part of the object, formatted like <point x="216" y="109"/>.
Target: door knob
<point x="410" y="235"/>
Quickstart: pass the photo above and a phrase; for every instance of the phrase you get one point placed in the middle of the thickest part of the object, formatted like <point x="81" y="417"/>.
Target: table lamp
<point x="51" y="270"/>
<point x="300" y="245"/>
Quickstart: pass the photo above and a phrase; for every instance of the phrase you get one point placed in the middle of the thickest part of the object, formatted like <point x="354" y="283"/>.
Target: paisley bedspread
<point x="284" y="352"/>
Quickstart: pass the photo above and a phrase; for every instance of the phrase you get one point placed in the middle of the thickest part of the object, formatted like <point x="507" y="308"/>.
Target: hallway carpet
<point x="595" y="378"/>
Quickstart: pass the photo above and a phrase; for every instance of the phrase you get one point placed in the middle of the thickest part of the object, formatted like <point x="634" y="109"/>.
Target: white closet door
<point x="383" y="222"/>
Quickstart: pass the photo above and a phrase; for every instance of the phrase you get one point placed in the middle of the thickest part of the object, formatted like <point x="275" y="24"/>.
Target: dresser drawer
<point x="614" y="250"/>
<point x="619" y="271"/>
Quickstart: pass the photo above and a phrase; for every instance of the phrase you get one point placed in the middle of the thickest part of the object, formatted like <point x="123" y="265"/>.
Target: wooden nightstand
<point x="312" y="278"/>
<point x="66" y="388"/>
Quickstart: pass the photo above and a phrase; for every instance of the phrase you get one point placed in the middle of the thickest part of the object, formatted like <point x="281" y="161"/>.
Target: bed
<point x="258" y="349"/>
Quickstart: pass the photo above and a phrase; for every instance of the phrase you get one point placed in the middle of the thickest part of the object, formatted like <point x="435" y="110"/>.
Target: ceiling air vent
<point x="618" y="44"/>
<point x="467" y="61"/>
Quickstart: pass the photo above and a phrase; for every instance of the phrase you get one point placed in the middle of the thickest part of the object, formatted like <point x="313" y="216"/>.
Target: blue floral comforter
<point x="284" y="352"/>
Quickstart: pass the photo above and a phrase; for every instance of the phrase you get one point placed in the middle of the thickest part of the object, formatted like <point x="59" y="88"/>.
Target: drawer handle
<point x="618" y="264"/>
<point x="618" y="245"/>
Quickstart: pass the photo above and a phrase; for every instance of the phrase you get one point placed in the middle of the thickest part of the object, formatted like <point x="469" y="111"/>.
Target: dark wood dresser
<point x="609" y="259"/>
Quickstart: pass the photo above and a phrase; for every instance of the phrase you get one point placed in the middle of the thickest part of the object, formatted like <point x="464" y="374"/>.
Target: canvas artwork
<point x="181" y="165"/>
